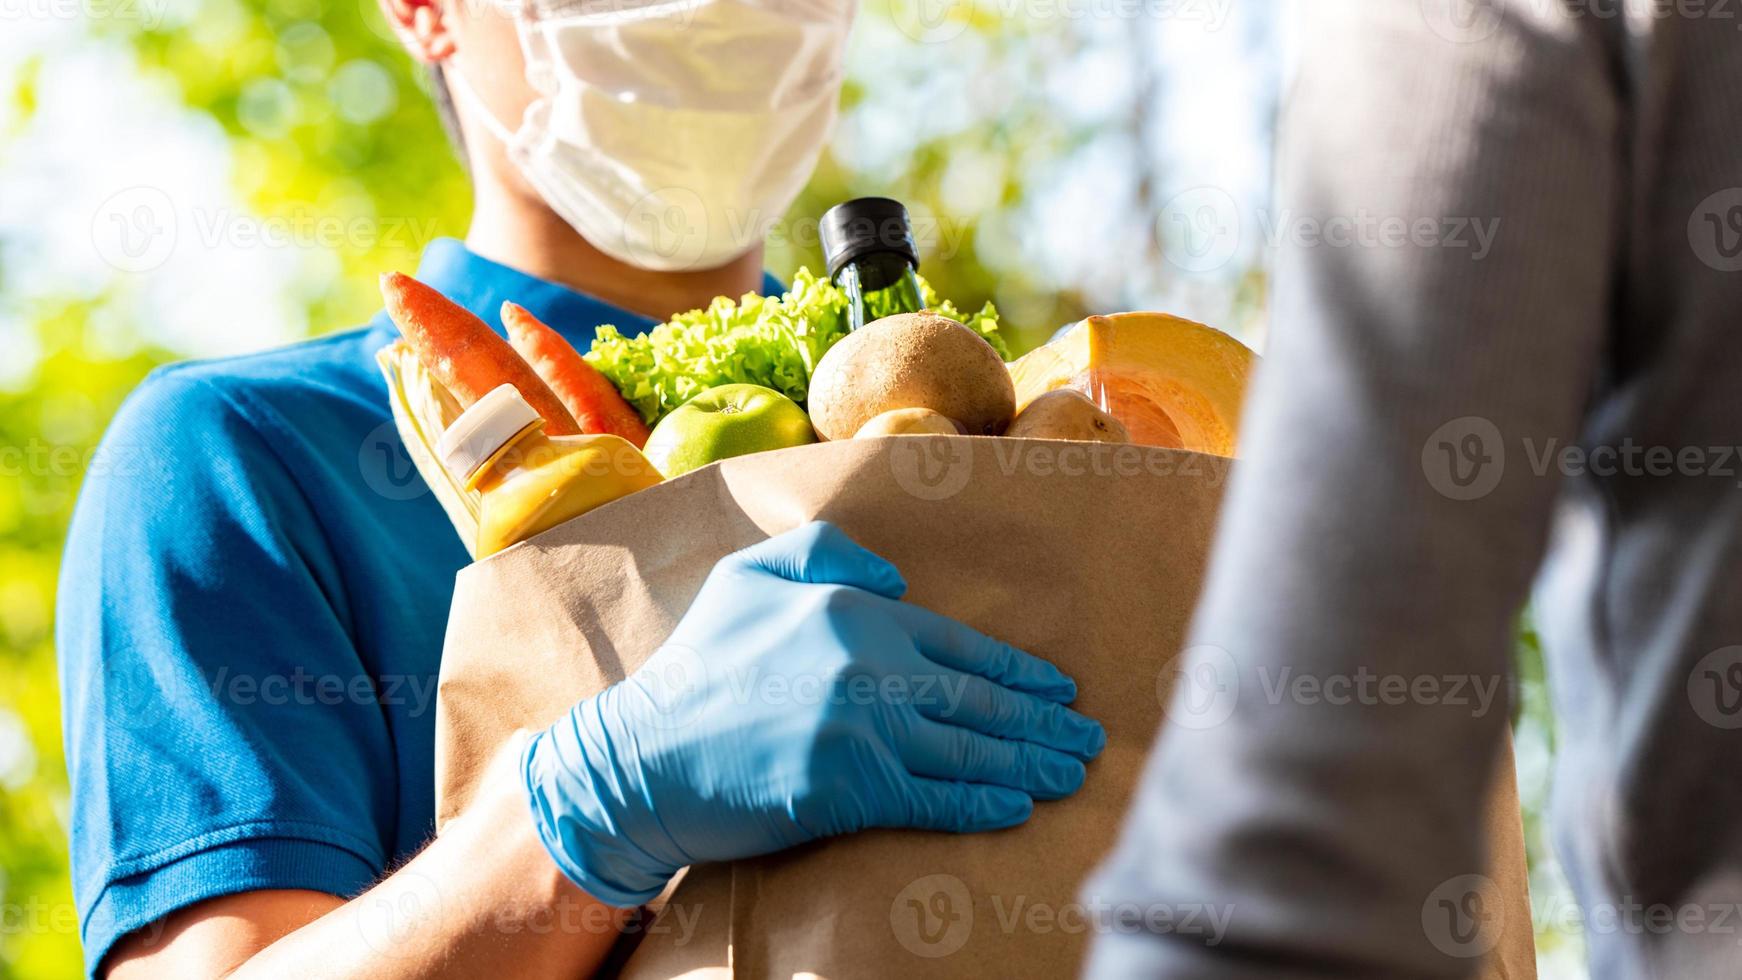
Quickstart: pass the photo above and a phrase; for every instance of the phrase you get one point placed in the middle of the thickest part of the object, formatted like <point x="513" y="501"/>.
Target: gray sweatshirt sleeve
<point x="1463" y="162"/>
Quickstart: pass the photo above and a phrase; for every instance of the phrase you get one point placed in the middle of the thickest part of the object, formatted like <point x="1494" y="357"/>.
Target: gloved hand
<point x="799" y="698"/>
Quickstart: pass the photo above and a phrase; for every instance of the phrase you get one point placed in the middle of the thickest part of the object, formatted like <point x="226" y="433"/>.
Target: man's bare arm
<point x="484" y="899"/>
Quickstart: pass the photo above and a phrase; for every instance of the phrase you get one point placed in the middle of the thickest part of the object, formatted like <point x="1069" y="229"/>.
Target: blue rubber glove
<point x="797" y="699"/>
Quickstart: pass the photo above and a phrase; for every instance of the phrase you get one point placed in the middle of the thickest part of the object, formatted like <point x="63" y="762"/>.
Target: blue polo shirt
<point x="251" y="612"/>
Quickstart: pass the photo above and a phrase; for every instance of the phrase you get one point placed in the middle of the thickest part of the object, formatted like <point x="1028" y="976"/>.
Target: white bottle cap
<point x="482" y="430"/>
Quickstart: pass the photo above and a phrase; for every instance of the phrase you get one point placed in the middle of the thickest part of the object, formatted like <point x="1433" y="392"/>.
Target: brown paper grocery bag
<point x="1088" y="555"/>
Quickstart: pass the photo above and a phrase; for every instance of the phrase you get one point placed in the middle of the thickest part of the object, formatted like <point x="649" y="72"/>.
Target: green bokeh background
<point x="268" y="83"/>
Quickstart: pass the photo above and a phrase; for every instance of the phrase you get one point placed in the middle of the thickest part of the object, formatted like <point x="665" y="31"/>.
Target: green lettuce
<point x="773" y="341"/>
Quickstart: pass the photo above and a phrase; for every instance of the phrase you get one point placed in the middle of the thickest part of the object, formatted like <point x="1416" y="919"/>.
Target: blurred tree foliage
<point x="283" y="79"/>
<point x="48" y="431"/>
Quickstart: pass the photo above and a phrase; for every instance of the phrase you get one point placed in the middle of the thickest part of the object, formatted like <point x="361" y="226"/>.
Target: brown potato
<point x="909" y="422"/>
<point x="1067" y="414"/>
<point x="913" y="360"/>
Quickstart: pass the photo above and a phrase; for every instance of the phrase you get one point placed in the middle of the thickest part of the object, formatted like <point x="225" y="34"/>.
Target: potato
<point x="909" y="422"/>
<point x="1067" y="414"/>
<point x="912" y="360"/>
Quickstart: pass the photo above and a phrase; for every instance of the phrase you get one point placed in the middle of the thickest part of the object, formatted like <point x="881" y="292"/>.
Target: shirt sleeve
<point x="222" y="734"/>
<point x="1448" y="204"/>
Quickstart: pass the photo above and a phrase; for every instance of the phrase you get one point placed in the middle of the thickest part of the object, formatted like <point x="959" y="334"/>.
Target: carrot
<point x="589" y="396"/>
<point x="464" y="354"/>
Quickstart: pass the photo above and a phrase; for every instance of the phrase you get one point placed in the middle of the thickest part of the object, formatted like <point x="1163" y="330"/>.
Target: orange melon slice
<point x="1172" y="382"/>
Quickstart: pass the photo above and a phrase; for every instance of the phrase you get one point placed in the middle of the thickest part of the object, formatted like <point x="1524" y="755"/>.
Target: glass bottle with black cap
<point x="868" y="247"/>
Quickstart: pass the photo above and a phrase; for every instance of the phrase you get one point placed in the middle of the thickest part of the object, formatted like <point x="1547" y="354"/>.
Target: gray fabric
<point x="1363" y="534"/>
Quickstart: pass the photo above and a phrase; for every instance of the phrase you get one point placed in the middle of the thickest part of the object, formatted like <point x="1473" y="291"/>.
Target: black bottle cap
<point x="864" y="225"/>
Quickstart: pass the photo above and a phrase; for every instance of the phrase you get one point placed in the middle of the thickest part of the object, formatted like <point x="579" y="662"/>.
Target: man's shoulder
<point x="302" y="392"/>
<point x="245" y="432"/>
<point x="311" y="376"/>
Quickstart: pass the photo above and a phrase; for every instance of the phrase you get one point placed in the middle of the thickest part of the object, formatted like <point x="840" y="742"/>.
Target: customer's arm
<point x="1450" y="200"/>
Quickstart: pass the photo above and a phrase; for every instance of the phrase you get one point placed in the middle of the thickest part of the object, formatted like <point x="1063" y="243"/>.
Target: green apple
<point x="731" y="420"/>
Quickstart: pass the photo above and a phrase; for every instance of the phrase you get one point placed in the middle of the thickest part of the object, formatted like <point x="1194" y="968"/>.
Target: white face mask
<point x="672" y="134"/>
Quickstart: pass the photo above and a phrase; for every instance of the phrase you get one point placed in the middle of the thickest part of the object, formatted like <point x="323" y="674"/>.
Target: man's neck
<point x="526" y="235"/>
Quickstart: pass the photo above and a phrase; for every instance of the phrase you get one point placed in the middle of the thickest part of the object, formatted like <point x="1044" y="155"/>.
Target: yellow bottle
<point x="531" y="482"/>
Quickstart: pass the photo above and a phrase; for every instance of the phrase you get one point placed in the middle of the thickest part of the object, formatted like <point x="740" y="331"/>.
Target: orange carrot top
<point x="590" y="396"/>
<point x="464" y="354"/>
